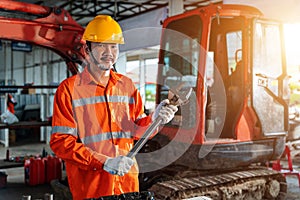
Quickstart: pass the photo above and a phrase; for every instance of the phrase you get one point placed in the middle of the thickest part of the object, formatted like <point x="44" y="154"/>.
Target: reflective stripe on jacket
<point x="91" y="123"/>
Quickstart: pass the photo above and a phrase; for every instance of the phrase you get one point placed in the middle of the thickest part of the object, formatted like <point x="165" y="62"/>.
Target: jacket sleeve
<point x="64" y="139"/>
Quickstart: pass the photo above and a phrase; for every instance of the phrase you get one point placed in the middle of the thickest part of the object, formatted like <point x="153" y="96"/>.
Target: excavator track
<point x="250" y="183"/>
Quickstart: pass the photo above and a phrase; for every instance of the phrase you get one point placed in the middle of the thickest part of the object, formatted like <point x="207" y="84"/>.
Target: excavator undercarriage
<point x="245" y="183"/>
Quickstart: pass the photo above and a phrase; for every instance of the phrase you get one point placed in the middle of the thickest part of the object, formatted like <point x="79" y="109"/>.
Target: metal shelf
<point x="28" y="86"/>
<point x="25" y="124"/>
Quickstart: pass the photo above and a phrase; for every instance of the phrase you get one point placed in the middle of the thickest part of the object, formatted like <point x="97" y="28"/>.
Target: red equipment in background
<point x="276" y="165"/>
<point x="34" y="171"/>
<point x="11" y="103"/>
<point x="53" y="168"/>
<point x="42" y="170"/>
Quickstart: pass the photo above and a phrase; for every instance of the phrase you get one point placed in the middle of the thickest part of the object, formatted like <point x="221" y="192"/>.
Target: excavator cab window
<point x="180" y="58"/>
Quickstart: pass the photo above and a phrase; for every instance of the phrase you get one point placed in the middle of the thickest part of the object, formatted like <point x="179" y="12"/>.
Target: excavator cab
<point x="244" y="83"/>
<point x="235" y="64"/>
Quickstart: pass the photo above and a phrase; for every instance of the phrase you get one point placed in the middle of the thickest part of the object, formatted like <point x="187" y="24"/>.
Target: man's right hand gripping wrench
<point x="162" y="115"/>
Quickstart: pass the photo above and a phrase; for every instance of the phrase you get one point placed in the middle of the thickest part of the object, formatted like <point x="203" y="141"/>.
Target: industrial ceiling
<point x="84" y="10"/>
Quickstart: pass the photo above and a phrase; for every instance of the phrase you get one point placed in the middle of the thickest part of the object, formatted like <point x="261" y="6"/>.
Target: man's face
<point x="106" y="54"/>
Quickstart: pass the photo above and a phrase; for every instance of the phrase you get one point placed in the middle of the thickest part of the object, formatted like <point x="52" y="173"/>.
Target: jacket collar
<point x="86" y="78"/>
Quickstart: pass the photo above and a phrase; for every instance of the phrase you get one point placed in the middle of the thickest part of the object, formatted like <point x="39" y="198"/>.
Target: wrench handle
<point x="141" y="142"/>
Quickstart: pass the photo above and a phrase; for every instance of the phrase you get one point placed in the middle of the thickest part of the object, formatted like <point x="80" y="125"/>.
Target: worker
<point x="97" y="115"/>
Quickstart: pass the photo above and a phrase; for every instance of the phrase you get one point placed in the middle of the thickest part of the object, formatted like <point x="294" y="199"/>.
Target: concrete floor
<point x="293" y="188"/>
<point x="292" y="180"/>
<point x="16" y="186"/>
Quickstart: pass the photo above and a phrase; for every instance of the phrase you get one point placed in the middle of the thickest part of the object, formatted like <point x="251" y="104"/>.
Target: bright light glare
<point x="292" y="44"/>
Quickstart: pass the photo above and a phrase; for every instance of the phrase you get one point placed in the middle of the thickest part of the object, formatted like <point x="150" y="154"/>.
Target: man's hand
<point x="118" y="166"/>
<point x="165" y="110"/>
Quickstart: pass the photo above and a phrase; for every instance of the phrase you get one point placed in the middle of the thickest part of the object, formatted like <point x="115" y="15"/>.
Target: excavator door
<point x="270" y="80"/>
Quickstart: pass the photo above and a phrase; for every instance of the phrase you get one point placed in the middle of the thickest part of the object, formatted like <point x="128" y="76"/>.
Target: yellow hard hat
<point x="103" y="28"/>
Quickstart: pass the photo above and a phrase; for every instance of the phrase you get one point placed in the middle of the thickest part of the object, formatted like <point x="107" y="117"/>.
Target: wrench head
<point x="179" y="95"/>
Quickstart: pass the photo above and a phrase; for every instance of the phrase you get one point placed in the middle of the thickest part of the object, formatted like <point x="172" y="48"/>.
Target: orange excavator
<point x="236" y="119"/>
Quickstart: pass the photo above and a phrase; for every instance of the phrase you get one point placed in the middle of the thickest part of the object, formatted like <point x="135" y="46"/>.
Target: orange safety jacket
<point x="91" y="123"/>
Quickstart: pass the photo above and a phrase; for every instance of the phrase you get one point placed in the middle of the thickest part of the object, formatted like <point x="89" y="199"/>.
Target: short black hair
<point x="89" y="45"/>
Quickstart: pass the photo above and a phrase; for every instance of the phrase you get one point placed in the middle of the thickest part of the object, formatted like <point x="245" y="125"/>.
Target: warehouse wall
<point x="38" y="65"/>
<point x="30" y="65"/>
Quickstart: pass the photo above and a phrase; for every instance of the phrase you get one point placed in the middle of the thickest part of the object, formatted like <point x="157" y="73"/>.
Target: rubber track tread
<point x="208" y="185"/>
